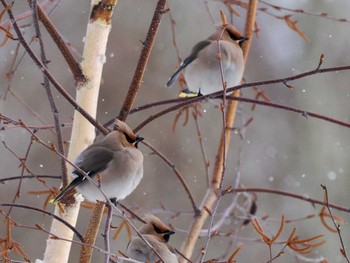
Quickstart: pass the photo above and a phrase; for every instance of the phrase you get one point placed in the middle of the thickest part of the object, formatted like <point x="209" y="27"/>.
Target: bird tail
<point x="183" y="65"/>
<point x="174" y="77"/>
<point x="69" y="187"/>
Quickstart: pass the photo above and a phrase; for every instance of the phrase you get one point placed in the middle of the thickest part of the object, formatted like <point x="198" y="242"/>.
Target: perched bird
<point x="115" y="164"/>
<point x="202" y="66"/>
<point x="157" y="234"/>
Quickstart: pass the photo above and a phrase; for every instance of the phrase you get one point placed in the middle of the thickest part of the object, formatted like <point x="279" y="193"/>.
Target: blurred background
<point x="278" y="150"/>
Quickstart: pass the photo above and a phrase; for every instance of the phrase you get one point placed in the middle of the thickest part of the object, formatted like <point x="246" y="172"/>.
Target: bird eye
<point x="232" y="36"/>
<point x="157" y="229"/>
<point x="129" y="139"/>
<point x="165" y="236"/>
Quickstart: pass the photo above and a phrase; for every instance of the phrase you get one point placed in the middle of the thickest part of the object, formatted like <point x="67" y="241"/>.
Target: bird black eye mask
<point x="166" y="233"/>
<point x="129" y="139"/>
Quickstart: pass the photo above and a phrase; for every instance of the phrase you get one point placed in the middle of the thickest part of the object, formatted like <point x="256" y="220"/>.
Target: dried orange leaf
<point x="293" y="25"/>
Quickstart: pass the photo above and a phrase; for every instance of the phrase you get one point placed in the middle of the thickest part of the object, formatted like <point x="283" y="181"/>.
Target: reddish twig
<point x="177" y="173"/>
<point x="47" y="88"/>
<point x="289" y="194"/>
<point x="337" y="226"/>
<point x="3" y="180"/>
<point x="201" y="143"/>
<point x="61" y="44"/>
<point x="106" y="233"/>
<point x="301" y="11"/>
<point x="54" y="82"/>
<point x="23" y="168"/>
<point x="46" y="213"/>
<point x="143" y="60"/>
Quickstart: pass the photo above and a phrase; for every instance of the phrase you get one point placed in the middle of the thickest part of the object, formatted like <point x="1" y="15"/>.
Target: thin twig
<point x="209" y="231"/>
<point x="47" y="213"/>
<point x="201" y="143"/>
<point x="5" y="120"/>
<point x="337" y="226"/>
<point x="211" y="196"/>
<point x="173" y="35"/>
<point x="54" y="82"/>
<point x="72" y="241"/>
<point x="143" y="60"/>
<point x="134" y="228"/>
<point x="218" y="94"/>
<point x="132" y="213"/>
<point x="106" y="233"/>
<point x="13" y="67"/>
<point x="223" y="105"/>
<point x="304" y="113"/>
<point x="185" y="102"/>
<point x="44" y="4"/>
<point x="2" y="180"/>
<point x="26" y="106"/>
<point x="47" y="88"/>
<point x="59" y="41"/>
<point x="233" y="204"/>
<point x="289" y="194"/>
<point x="108" y="202"/>
<point x="301" y="11"/>
<point x="223" y="157"/>
<point x="209" y="11"/>
<point x="177" y="173"/>
<point x="23" y="168"/>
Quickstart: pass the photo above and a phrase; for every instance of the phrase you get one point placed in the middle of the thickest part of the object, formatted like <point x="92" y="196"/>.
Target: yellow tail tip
<point x="187" y="94"/>
<point x="52" y="201"/>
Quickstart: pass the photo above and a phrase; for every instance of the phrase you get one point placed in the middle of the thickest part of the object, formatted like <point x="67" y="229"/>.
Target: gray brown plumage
<point x="117" y="161"/>
<point x="157" y="234"/>
<point x="202" y="66"/>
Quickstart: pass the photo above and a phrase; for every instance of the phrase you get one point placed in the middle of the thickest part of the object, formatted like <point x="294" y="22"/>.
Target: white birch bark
<point x="83" y="133"/>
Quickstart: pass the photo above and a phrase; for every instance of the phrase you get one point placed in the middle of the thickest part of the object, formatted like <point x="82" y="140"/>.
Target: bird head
<point x="229" y="33"/>
<point x="127" y="136"/>
<point x="156" y="227"/>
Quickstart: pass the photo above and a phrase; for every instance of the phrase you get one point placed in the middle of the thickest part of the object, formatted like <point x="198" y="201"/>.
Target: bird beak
<point x="167" y="234"/>
<point x="170" y="232"/>
<point x="138" y="139"/>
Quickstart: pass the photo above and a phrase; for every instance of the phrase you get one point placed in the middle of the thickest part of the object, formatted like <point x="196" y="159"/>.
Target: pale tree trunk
<point x="211" y="196"/>
<point x="83" y="133"/>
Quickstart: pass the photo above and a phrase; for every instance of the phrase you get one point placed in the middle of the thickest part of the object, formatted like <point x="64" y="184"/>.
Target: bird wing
<point x="193" y="56"/>
<point x="92" y="161"/>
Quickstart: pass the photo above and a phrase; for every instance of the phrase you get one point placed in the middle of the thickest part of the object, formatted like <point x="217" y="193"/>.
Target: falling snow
<point x="331" y="175"/>
<point x="103" y="59"/>
<point x="271" y="152"/>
